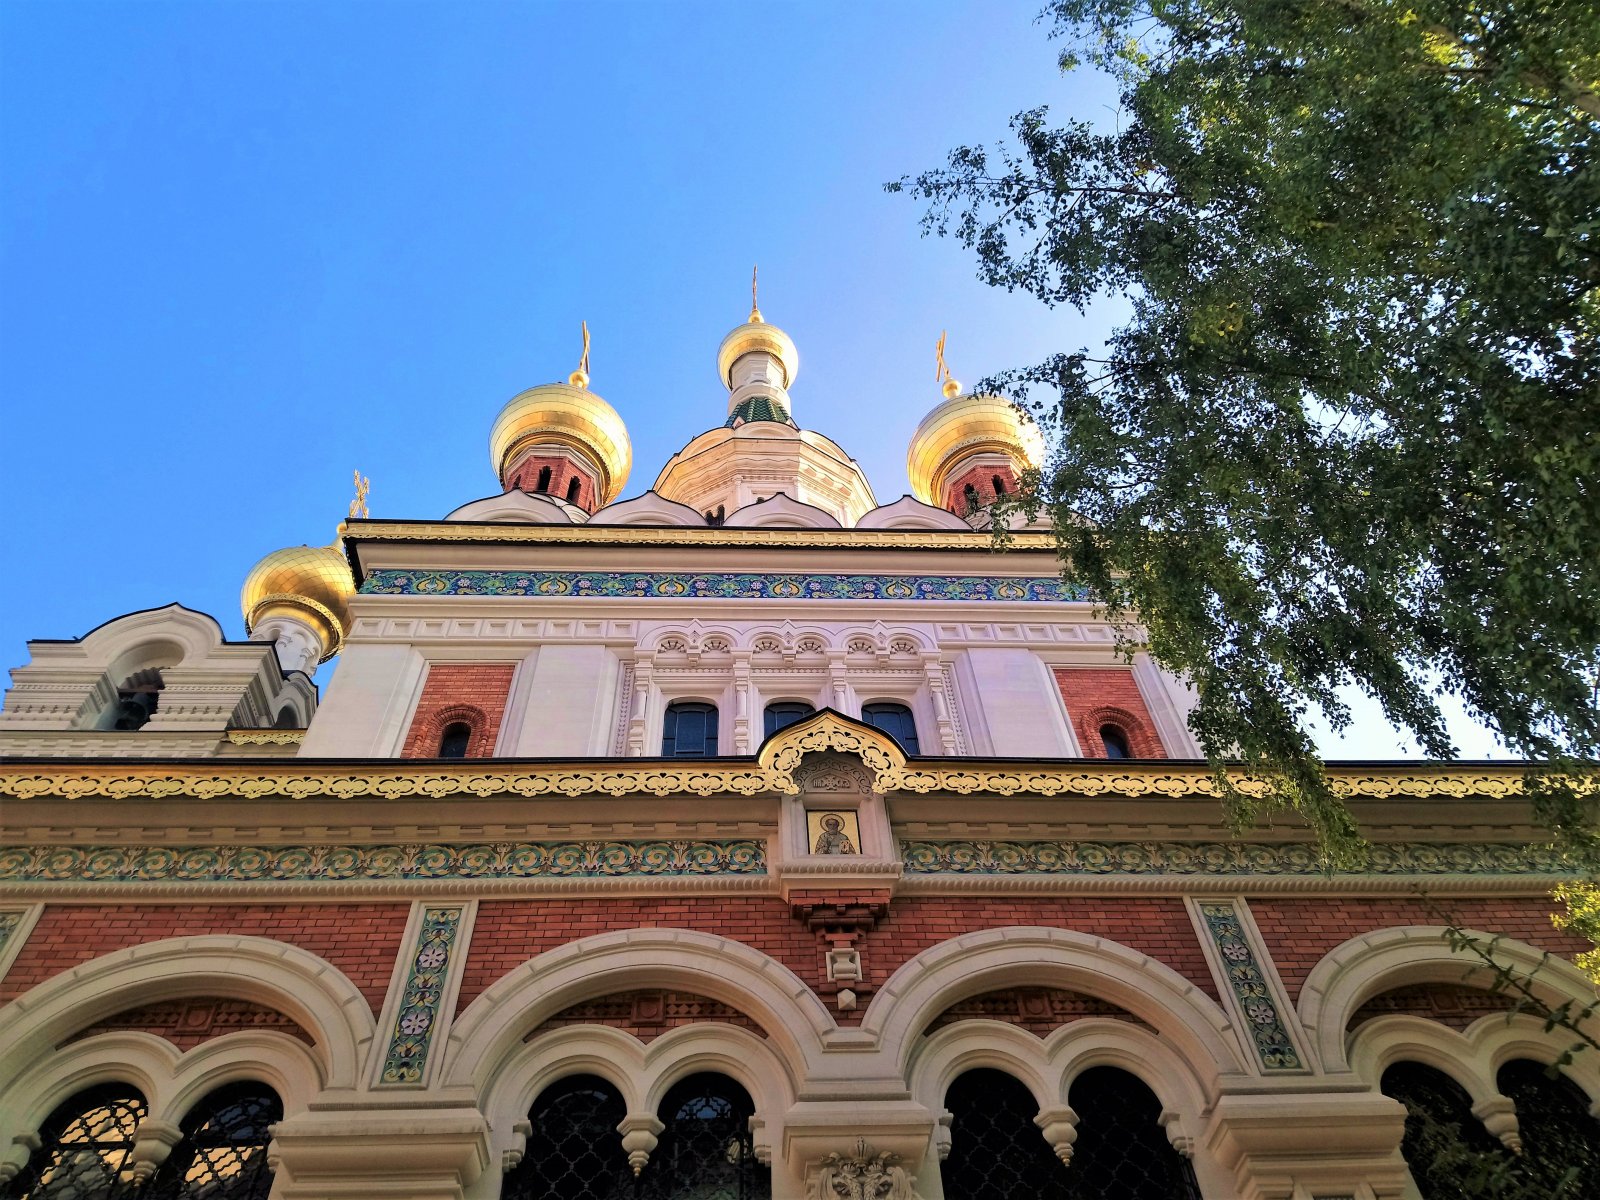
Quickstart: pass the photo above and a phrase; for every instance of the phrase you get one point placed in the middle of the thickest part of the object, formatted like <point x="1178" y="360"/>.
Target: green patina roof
<point x="758" y="408"/>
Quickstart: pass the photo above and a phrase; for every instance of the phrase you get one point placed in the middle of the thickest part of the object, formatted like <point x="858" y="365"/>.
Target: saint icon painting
<point x="833" y="832"/>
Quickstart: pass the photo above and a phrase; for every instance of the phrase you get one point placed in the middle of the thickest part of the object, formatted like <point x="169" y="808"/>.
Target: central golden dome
<point x="564" y="414"/>
<point x="756" y="335"/>
<point x="961" y="427"/>
<point x="309" y="583"/>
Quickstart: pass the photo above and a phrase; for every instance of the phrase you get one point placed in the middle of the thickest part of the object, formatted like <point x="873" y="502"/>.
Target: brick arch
<point x="427" y="730"/>
<point x="1142" y="739"/>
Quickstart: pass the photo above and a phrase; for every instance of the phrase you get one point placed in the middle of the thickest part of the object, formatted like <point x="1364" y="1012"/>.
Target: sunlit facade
<point x="744" y="836"/>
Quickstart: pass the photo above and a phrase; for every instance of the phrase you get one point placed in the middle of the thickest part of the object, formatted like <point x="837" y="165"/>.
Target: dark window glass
<point x="705" y="1150"/>
<point x="1444" y="1144"/>
<point x="1121" y="1151"/>
<point x="457" y="738"/>
<point x="574" y="1151"/>
<point x="1115" y="742"/>
<point x="689" y="731"/>
<point x="895" y="720"/>
<point x="574" y="486"/>
<point x="287" y="720"/>
<point x="784" y="714"/>
<point x="970" y="493"/>
<point x="223" y="1154"/>
<point x="996" y="1151"/>
<point x="999" y="486"/>
<point x="85" y="1150"/>
<point x="1558" y="1134"/>
<point x="544" y="480"/>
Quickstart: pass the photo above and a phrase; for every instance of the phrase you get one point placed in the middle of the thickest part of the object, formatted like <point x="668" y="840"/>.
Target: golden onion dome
<point x="756" y="335"/>
<point x="570" y="415"/>
<point x="963" y="426"/>
<point x="310" y="583"/>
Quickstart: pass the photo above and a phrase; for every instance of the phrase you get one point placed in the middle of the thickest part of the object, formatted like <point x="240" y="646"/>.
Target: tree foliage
<point x="1348" y="434"/>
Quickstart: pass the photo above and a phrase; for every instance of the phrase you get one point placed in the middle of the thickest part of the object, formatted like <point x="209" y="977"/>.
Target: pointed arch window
<point x="689" y="730"/>
<point x="223" y="1153"/>
<point x="574" y="1151"/>
<point x="783" y="713"/>
<point x="86" y="1148"/>
<point x="543" y="485"/>
<point x="896" y="720"/>
<point x="999" y="486"/>
<point x="574" y="486"/>
<point x="706" y="1151"/>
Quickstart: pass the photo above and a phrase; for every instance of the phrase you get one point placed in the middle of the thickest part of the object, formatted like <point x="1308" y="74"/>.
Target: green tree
<point x="1348" y="435"/>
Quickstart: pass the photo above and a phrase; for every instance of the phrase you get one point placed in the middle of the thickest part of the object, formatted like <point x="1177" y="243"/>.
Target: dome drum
<point x="568" y="417"/>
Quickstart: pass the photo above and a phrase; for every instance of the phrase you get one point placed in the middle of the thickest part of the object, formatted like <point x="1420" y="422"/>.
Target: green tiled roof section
<point x="758" y="408"/>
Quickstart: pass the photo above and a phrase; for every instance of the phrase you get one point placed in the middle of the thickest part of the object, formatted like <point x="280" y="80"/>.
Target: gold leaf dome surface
<point x="963" y="426"/>
<point x="310" y="583"/>
<point x="757" y="335"/>
<point x="564" y="414"/>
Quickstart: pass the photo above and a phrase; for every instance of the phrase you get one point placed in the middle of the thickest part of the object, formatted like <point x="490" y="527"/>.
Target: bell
<point x="134" y="709"/>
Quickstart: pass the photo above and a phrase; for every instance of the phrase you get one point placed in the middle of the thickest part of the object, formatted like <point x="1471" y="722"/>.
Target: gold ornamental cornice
<point x="679" y="535"/>
<point x="266" y="737"/>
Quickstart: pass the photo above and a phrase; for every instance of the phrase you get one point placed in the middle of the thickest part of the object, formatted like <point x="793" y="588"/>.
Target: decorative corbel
<point x="1060" y="1128"/>
<point x="1499" y="1117"/>
<point x="514" y="1153"/>
<point x="17" y="1154"/>
<point x="941" y="1134"/>
<point x="153" y="1141"/>
<point x="641" y="1133"/>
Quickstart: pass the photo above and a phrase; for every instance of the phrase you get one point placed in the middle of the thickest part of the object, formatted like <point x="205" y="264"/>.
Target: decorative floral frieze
<point x="299" y="864"/>
<point x="1272" y="1042"/>
<point x="720" y="585"/>
<point x="422" y="998"/>
<point x="1218" y="858"/>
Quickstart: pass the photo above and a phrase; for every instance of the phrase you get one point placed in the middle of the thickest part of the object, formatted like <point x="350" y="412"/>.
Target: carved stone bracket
<point x="864" y="1175"/>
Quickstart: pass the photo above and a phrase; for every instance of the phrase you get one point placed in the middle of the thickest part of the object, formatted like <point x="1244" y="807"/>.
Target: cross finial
<point x="941" y="369"/>
<point x="755" y="310"/>
<point x="358" y="506"/>
<point x="580" y="377"/>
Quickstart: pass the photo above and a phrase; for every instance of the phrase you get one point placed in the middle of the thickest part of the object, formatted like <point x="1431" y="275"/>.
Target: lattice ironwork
<point x="1561" y="1141"/>
<point x="1444" y="1144"/>
<point x="1121" y="1151"/>
<point x="574" y="1151"/>
<point x="223" y="1154"/>
<point x="86" y="1149"/>
<point x="996" y="1151"/>
<point x="706" y="1152"/>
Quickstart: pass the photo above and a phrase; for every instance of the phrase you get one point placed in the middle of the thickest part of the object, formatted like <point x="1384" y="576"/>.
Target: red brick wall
<point x="1097" y="696"/>
<point x="982" y="481"/>
<point x="362" y="940"/>
<point x="1300" y="931"/>
<point x="509" y="932"/>
<point x="524" y="474"/>
<point x="475" y="693"/>
<point x="187" y="1023"/>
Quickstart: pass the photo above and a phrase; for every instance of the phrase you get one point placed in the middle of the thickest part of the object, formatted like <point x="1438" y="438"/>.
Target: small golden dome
<point x="564" y="414"/>
<point x="756" y="335"/>
<point x="310" y="583"/>
<point x="961" y="427"/>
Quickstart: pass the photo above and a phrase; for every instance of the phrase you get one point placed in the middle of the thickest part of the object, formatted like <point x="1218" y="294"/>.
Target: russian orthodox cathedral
<point x="743" y="838"/>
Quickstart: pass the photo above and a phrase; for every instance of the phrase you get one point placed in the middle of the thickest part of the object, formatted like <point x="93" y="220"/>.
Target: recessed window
<point x="544" y="480"/>
<point x="1115" y="742"/>
<point x="574" y="486"/>
<point x="999" y="486"/>
<point x="895" y="720"/>
<point x="455" y="740"/>
<point x="784" y="713"/>
<point x="689" y="731"/>
<point x="970" y="493"/>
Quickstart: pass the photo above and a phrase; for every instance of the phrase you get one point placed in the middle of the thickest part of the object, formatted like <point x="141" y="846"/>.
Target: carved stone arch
<point x="650" y="508"/>
<point x="1140" y="1052"/>
<point x="924" y="986"/>
<point x="1370" y="963"/>
<point x="520" y="508"/>
<point x="289" y="1067"/>
<point x="141" y="1060"/>
<point x="424" y="738"/>
<point x="295" y="982"/>
<point x="486" y="1033"/>
<point x="726" y="1050"/>
<point x="951" y="1052"/>
<point x="910" y="513"/>
<point x="195" y="635"/>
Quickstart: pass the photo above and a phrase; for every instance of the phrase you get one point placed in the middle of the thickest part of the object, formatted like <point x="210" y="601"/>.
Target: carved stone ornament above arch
<point x="828" y="732"/>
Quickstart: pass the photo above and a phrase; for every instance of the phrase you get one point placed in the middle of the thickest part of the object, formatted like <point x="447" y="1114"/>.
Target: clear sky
<point x="248" y="247"/>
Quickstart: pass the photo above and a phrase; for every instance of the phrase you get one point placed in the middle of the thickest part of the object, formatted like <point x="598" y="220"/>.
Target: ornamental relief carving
<point x="863" y="1175"/>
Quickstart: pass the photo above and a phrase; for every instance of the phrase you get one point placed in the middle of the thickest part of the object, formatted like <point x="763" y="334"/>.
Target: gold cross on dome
<point x="941" y="369"/>
<point x="358" y="506"/>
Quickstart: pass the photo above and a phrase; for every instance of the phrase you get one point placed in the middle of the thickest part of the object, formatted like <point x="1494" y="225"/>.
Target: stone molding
<point x="295" y="982"/>
<point x="1355" y="971"/>
<point x="16" y="923"/>
<point x="422" y="994"/>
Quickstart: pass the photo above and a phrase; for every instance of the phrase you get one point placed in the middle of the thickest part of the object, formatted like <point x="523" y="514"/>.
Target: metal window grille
<point x="86" y="1149"/>
<point x="1560" y="1140"/>
<point x="1445" y="1146"/>
<point x="705" y="1152"/>
<point x="223" y="1154"/>
<point x="574" y="1151"/>
<point x="996" y="1151"/>
<point x="1121" y="1151"/>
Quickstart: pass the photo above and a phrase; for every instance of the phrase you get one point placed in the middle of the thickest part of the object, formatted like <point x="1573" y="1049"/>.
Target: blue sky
<point x="248" y="247"/>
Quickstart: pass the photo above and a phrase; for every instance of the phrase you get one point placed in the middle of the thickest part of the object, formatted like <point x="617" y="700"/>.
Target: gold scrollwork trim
<point x="632" y="535"/>
<point x="266" y="737"/>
